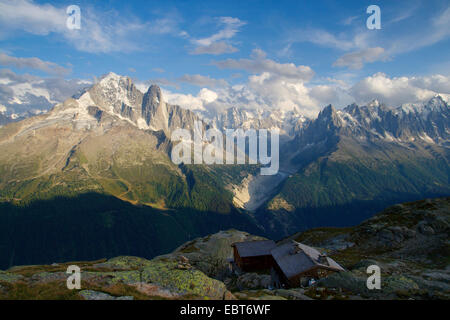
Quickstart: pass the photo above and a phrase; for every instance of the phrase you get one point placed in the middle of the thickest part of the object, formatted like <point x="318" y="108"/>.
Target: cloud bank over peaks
<point x="270" y="85"/>
<point x="270" y="92"/>
<point x="22" y="93"/>
<point x="399" y="90"/>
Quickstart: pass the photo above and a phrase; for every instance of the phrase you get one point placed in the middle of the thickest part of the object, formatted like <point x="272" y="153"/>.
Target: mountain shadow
<point x="280" y="223"/>
<point x="94" y="226"/>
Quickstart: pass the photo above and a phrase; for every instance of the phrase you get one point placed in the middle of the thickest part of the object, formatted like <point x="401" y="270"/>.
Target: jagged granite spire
<point x="154" y="93"/>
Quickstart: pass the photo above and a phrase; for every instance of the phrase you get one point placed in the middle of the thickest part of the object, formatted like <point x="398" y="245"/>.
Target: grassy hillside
<point x="352" y="183"/>
<point x="123" y="161"/>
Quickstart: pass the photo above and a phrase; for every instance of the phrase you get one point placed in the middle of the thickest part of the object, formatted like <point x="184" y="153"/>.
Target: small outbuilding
<point x="297" y="263"/>
<point x="253" y="255"/>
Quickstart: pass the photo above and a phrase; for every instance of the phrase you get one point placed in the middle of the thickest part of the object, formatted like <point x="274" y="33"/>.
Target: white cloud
<point x="343" y="41"/>
<point x="7" y="76"/>
<point x="275" y="92"/>
<point x="363" y="46"/>
<point x="215" y="48"/>
<point x="33" y="63"/>
<point x="431" y="32"/>
<point x="404" y="14"/>
<point x="188" y="101"/>
<point x="100" y="32"/>
<point x="263" y="91"/>
<point x="349" y="20"/>
<point x="22" y="93"/>
<point x="271" y="92"/>
<point x="207" y="95"/>
<point x="231" y="27"/>
<point x="399" y="90"/>
<point x="356" y="60"/>
<point x="271" y="85"/>
<point x="202" y="81"/>
<point x="437" y="83"/>
<point x="144" y="85"/>
<point x="217" y="43"/>
<point x="259" y="64"/>
<point x="31" y="17"/>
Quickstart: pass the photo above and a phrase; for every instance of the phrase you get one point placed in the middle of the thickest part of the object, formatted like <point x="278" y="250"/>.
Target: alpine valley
<point x="95" y="179"/>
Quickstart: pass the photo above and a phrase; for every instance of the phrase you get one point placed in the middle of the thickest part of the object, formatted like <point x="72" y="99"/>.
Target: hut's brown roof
<point x="254" y="248"/>
<point x="294" y="258"/>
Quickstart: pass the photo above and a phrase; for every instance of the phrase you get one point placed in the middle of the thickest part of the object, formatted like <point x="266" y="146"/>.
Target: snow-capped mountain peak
<point x="374" y="103"/>
<point x="410" y="122"/>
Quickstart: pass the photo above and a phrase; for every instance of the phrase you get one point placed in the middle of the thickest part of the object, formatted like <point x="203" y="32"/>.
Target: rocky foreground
<point x="409" y="242"/>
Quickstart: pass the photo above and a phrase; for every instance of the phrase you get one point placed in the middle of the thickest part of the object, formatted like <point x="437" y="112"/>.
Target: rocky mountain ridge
<point x="118" y="96"/>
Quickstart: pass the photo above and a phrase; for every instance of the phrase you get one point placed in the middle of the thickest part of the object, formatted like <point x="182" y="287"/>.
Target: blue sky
<point x="311" y="52"/>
